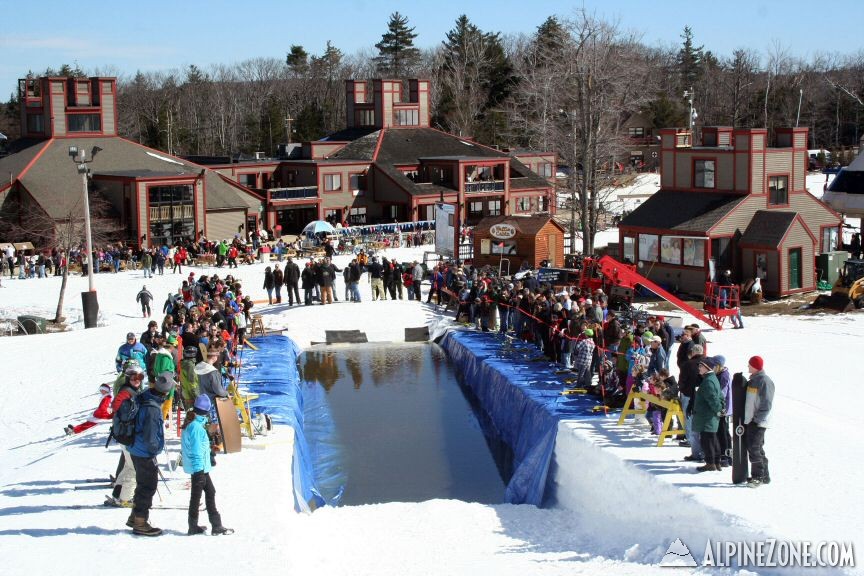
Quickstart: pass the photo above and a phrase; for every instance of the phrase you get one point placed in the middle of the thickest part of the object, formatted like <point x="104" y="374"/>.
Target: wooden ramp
<point x="345" y="337"/>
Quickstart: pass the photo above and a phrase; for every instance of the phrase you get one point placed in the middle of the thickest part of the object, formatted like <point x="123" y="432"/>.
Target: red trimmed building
<point x="157" y="198"/>
<point x="389" y="165"/>
<point x="732" y="202"/>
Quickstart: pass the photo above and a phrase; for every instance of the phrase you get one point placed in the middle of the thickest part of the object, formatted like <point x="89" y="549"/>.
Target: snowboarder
<point x="757" y="411"/>
<point x="196" y="456"/>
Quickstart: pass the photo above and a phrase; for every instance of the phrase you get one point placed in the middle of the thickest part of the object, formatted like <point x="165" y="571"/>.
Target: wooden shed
<point x="517" y="238"/>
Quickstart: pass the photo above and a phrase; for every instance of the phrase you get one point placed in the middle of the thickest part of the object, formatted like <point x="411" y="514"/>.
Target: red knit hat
<point x="757" y="362"/>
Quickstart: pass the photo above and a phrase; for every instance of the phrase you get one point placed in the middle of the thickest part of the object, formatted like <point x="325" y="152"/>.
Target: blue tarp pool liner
<point x="522" y="398"/>
<point x="271" y="372"/>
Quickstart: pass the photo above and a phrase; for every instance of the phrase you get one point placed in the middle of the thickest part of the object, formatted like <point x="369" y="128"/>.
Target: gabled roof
<point x="408" y="145"/>
<point x="684" y="211"/>
<point x="348" y="134"/>
<point x="767" y="228"/>
<point x="362" y="148"/>
<point x="13" y="164"/>
<point x="53" y="181"/>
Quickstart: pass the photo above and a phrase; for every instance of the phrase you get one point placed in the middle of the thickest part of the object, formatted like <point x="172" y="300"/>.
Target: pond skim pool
<point x="403" y="428"/>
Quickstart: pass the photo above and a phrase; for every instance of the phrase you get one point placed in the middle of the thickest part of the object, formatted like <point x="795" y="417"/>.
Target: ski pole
<point x="164" y="481"/>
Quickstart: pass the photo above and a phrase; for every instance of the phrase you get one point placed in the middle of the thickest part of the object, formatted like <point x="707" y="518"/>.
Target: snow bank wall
<point x="271" y="372"/>
<point x="525" y="415"/>
<point x="610" y="494"/>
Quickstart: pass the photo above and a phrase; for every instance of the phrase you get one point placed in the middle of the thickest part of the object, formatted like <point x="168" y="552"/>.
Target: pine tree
<point x="396" y="52"/>
<point x="297" y="60"/>
<point x="689" y="61"/>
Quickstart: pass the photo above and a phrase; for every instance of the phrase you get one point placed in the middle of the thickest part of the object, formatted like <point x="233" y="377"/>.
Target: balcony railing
<point x="293" y="193"/>
<point x="489" y="186"/>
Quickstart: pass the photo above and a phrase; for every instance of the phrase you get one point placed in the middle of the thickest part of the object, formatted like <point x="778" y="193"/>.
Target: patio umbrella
<point x="318" y="226"/>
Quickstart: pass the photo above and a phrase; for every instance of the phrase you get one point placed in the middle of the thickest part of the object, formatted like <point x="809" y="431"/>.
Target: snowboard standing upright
<point x="740" y="462"/>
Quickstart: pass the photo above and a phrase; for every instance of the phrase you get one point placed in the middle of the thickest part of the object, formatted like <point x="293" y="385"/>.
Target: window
<point x="778" y="190"/>
<point x="332" y="182"/>
<point x="357" y="183"/>
<point x="35" y="123"/>
<point x="829" y="239"/>
<point x="427" y="212"/>
<point x="172" y="214"/>
<point x="331" y="215"/>
<point x="357" y="216"/>
<point x="544" y="169"/>
<point x="523" y="204"/>
<point x="249" y="180"/>
<point x="541" y="203"/>
<point x="694" y="252"/>
<point x="494" y="207"/>
<point x="638" y="132"/>
<point x="629" y="253"/>
<point x="84" y="123"/>
<point x="364" y="117"/>
<point x="670" y="250"/>
<point x="409" y="117"/>
<point x="649" y="247"/>
<point x="704" y="174"/>
<point x="475" y="208"/>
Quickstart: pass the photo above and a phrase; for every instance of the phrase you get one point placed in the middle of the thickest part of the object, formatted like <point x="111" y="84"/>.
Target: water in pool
<point x="405" y="428"/>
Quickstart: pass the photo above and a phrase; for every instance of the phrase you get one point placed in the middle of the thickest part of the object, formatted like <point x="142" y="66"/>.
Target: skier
<point x="124" y="483"/>
<point x="144" y="297"/>
<point x="196" y="455"/>
<point x="103" y="413"/>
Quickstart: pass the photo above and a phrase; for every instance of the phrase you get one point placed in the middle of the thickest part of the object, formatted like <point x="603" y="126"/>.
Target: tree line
<point x="565" y="87"/>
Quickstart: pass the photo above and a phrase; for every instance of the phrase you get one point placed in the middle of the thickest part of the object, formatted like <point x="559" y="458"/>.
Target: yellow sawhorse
<point x="673" y="408"/>
<point x="241" y="403"/>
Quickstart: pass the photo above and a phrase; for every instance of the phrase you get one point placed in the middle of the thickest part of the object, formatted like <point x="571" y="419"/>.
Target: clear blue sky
<point x="128" y="35"/>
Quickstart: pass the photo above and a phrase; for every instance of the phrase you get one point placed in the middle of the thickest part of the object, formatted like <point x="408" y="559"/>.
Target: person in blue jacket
<point x="197" y="462"/>
<point x="149" y="442"/>
<point x="130" y="349"/>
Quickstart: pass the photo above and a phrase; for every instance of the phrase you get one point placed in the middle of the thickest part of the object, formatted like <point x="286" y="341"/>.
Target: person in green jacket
<point x="164" y="362"/>
<point x="707" y="407"/>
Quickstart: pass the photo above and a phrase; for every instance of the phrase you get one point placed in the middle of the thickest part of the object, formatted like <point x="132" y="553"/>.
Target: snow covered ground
<point x="624" y="505"/>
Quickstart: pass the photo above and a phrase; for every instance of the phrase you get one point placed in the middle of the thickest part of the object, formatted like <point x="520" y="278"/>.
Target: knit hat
<point x="202" y="405"/>
<point x="164" y="383"/>
<point x="105" y="389"/>
<point x="757" y="362"/>
<point x="588" y="332"/>
<point x="172" y="339"/>
<point x="720" y="360"/>
<point x="708" y="362"/>
<point x="130" y="336"/>
<point x="656" y="339"/>
<point x="647" y="335"/>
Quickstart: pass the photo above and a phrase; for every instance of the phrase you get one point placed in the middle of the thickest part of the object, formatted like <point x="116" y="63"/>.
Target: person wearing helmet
<point x="129" y="349"/>
<point x="124" y="477"/>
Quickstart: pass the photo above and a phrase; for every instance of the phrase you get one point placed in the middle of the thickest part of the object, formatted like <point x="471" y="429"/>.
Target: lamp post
<point x="88" y="299"/>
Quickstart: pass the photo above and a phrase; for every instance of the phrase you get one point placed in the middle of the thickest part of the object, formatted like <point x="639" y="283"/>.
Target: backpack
<point x="123" y="422"/>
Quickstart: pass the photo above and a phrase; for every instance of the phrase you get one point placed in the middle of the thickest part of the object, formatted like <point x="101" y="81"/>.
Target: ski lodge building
<point x="735" y="203"/>
<point x="387" y="165"/>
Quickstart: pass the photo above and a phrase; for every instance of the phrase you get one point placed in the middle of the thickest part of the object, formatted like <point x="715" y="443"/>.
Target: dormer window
<point x="778" y="190"/>
<point x="704" y="174"/>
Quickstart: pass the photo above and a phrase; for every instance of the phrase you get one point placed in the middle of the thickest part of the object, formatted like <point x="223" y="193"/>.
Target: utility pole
<point x="288" y="121"/>
<point x="89" y="301"/>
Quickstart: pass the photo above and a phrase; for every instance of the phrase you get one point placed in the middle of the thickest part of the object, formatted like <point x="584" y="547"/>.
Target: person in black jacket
<point x="278" y="280"/>
<point x="292" y="277"/>
<point x="268" y="284"/>
<point x="307" y="279"/>
<point x="396" y="280"/>
<point x="688" y="381"/>
<point x="684" y="345"/>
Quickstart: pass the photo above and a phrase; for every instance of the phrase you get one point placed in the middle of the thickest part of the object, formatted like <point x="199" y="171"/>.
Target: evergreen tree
<point x="549" y="41"/>
<point x="689" y="61"/>
<point x="297" y="60"/>
<point x="396" y="52"/>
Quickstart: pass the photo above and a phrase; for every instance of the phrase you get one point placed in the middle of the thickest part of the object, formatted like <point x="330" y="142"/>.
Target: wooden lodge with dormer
<point x="387" y="165"/>
<point x="731" y="202"/>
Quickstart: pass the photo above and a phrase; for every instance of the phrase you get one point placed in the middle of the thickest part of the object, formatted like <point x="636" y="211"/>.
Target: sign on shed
<point x="502" y="231"/>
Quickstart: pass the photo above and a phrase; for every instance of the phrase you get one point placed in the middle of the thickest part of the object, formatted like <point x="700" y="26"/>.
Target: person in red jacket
<point x="103" y="412"/>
